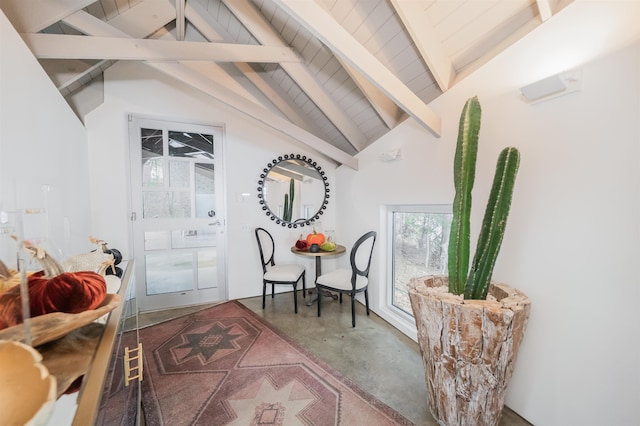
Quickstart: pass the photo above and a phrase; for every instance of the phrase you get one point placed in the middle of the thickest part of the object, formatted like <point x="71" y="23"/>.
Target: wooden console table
<point x="100" y="398"/>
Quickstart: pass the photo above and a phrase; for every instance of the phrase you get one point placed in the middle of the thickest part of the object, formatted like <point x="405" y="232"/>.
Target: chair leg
<point x="319" y="298"/>
<point x="304" y="286"/>
<point x="264" y="293"/>
<point x="366" y="299"/>
<point x="353" y="309"/>
<point x="295" y="298"/>
<point x="273" y="290"/>
<point x="340" y="297"/>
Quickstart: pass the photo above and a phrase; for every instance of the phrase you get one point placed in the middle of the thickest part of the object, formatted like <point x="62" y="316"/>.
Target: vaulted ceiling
<point x="334" y="74"/>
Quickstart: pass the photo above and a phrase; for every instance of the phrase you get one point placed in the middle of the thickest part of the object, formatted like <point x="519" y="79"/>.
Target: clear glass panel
<point x="205" y="190"/>
<point x="152" y="145"/>
<point x="179" y="174"/>
<point x="207" y="269"/>
<point x="152" y="163"/>
<point x="191" y="145"/>
<point x="166" y="204"/>
<point x="152" y="172"/>
<point x="193" y="238"/>
<point x="169" y="272"/>
<point x="420" y="241"/>
<point x="157" y="240"/>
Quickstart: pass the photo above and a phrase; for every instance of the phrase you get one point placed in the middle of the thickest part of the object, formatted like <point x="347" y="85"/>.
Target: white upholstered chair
<point x="354" y="280"/>
<point x="275" y="274"/>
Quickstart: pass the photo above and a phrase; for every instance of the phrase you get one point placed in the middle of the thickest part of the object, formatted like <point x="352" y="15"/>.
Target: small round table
<point x="318" y="255"/>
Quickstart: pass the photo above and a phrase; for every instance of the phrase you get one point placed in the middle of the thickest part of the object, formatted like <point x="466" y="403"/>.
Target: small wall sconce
<point x="392" y="155"/>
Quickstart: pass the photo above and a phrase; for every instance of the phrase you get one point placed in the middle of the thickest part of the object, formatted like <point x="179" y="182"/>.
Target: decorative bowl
<point x="49" y="327"/>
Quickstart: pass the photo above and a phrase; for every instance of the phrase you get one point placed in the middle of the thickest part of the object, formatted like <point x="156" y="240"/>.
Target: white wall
<point x="572" y="239"/>
<point x="42" y="145"/>
<point x="134" y="88"/>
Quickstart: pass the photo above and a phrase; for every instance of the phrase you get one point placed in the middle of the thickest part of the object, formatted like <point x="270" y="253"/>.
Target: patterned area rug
<point x="226" y="366"/>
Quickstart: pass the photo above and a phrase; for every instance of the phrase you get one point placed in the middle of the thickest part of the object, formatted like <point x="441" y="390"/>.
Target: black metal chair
<point x="354" y="280"/>
<point x="287" y="274"/>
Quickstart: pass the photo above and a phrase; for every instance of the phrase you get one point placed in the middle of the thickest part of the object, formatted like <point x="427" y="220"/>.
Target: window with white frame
<point x="419" y="236"/>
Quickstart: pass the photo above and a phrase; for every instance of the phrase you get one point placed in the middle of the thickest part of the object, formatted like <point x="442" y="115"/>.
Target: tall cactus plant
<point x="475" y="284"/>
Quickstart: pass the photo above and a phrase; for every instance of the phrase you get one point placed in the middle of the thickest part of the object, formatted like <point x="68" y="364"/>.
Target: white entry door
<point x="178" y="213"/>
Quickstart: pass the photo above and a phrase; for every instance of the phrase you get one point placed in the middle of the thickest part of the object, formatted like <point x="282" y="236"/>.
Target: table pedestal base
<point x="314" y="296"/>
<point x="313" y="292"/>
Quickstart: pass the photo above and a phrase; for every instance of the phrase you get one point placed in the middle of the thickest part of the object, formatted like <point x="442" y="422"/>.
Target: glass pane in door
<point x="169" y="272"/>
<point x="152" y="142"/>
<point x="152" y="157"/>
<point x="153" y="172"/>
<point x="157" y="240"/>
<point x="192" y="238"/>
<point x="179" y="175"/>
<point x="207" y="269"/>
<point x="190" y="145"/>
<point x="205" y="190"/>
<point x="166" y="204"/>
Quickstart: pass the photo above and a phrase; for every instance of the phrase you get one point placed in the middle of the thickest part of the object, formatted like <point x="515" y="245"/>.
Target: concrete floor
<point x="374" y="355"/>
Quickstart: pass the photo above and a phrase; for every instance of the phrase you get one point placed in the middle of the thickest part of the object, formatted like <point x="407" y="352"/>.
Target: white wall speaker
<point x="552" y="87"/>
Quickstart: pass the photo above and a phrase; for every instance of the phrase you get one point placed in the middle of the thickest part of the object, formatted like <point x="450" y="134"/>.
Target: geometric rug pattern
<point x="225" y="365"/>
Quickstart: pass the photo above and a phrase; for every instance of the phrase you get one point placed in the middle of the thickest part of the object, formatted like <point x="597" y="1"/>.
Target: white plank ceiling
<point x="334" y="74"/>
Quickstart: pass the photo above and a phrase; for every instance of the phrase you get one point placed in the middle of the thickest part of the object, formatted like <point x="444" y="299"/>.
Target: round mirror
<point x="293" y="190"/>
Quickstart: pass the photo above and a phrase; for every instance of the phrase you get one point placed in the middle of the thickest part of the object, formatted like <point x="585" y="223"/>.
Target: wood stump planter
<point x="469" y="348"/>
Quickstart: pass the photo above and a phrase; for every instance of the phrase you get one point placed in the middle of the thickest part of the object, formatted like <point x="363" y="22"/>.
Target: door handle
<point x="217" y="222"/>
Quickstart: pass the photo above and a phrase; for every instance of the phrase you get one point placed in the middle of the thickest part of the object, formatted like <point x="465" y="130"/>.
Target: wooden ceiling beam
<point x="320" y="23"/>
<point x="55" y="46"/>
<point x="423" y="34"/>
<point x="544" y="8"/>
<point x="83" y="77"/>
<point x="384" y="107"/>
<point x="180" y="20"/>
